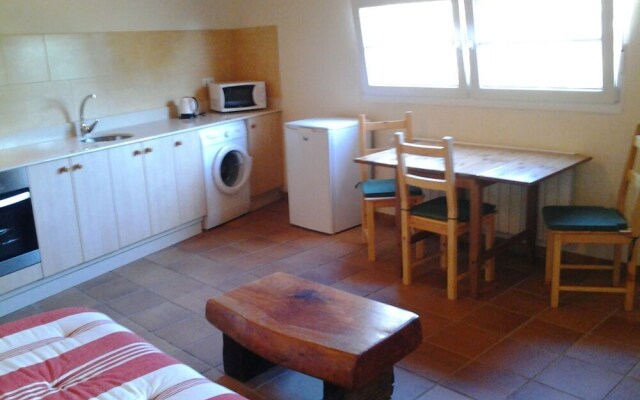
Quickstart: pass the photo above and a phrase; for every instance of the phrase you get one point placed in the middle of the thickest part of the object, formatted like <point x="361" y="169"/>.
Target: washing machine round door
<point x="231" y="169"/>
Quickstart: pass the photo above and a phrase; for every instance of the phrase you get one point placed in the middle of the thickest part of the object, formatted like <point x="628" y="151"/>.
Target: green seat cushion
<point x="384" y="188"/>
<point x="583" y="218"/>
<point x="437" y="209"/>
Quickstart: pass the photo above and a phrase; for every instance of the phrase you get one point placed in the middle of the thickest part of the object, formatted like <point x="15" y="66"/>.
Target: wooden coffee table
<point x="348" y="341"/>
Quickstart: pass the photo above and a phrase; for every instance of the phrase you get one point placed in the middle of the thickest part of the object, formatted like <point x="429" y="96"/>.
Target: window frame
<point x="469" y="92"/>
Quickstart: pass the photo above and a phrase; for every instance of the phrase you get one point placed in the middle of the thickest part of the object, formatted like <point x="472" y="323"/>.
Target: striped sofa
<point x="78" y="353"/>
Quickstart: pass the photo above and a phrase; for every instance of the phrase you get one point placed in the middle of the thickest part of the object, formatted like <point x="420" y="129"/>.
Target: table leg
<point x="380" y="388"/>
<point x="240" y="363"/>
<point x="475" y="235"/>
<point x="531" y="222"/>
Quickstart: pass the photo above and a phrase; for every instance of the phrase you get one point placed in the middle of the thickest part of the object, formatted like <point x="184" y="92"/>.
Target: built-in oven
<point x="18" y="241"/>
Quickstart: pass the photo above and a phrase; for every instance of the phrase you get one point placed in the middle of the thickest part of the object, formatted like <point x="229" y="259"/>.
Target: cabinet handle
<point x="62" y="170"/>
<point x="178" y="143"/>
<point x="148" y="150"/>
<point x="137" y="153"/>
<point x="253" y="126"/>
<point x="76" y="167"/>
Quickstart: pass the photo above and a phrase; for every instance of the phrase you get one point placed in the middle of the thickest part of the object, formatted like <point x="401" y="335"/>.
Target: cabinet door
<point x="162" y="191"/>
<point x="308" y="178"/>
<point x="129" y="194"/>
<point x="94" y="204"/>
<point x="189" y="176"/>
<point x="55" y="216"/>
<point x="266" y="148"/>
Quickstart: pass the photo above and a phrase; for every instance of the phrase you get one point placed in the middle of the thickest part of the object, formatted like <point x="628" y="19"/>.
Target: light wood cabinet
<point x="130" y="195"/>
<point x="266" y="149"/>
<point x="145" y="193"/>
<point x="187" y="153"/>
<point x="73" y="209"/>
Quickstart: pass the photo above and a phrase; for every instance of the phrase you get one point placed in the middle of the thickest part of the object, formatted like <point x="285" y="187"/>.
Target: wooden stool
<point x="348" y="341"/>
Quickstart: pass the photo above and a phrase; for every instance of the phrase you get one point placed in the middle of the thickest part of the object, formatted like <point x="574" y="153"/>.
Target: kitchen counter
<point x="55" y="149"/>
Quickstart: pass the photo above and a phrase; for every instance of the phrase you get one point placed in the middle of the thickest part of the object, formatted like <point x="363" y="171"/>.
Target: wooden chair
<point x="618" y="226"/>
<point x="446" y="216"/>
<point x="378" y="193"/>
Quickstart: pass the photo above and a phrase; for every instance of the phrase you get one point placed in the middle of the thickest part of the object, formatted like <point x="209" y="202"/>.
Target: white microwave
<point x="237" y="96"/>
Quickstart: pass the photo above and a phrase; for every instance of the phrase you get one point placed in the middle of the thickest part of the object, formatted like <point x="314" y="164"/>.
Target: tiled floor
<point x="506" y="344"/>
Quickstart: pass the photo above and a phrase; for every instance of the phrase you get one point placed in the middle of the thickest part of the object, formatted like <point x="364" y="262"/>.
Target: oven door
<point x="18" y="241"/>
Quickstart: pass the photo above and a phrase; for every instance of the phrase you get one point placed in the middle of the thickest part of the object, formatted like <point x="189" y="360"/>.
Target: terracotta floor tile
<point x="464" y="339"/>
<point x="225" y="253"/>
<point x="264" y="256"/>
<point x="537" y="391"/>
<point x="576" y="318"/>
<point x="546" y="336"/>
<point x="465" y="348"/>
<point x="332" y="272"/>
<point x="160" y="316"/>
<point x="440" y="305"/>
<point x="442" y="393"/>
<point x="112" y="289"/>
<point x="408" y="385"/>
<point x="366" y="282"/>
<point x="433" y="362"/>
<point x="622" y="330"/>
<point x="68" y="298"/>
<point x="480" y="382"/>
<point x="517" y="357"/>
<point x="605" y="353"/>
<point x="136" y="302"/>
<point x="579" y="378"/>
<point x="495" y="319"/>
<point x="521" y="302"/>
<point x="187" y="332"/>
<point x="629" y="388"/>
<point x="292" y="385"/>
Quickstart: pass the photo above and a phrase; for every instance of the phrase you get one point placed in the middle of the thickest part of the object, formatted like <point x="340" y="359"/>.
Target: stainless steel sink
<point x="107" y="138"/>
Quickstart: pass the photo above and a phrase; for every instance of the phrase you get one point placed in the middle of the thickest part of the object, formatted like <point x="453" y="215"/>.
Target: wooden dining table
<point x="478" y="166"/>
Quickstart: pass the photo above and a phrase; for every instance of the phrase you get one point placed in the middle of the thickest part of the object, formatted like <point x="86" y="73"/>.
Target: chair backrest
<point x="409" y="154"/>
<point x="367" y="130"/>
<point x="629" y="194"/>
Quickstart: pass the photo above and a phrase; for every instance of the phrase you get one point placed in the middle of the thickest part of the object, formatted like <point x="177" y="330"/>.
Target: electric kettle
<point x="188" y="107"/>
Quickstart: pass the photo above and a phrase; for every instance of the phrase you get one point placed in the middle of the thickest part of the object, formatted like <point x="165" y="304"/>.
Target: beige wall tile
<point x="34" y="105"/>
<point x="25" y="59"/>
<point x="128" y="72"/>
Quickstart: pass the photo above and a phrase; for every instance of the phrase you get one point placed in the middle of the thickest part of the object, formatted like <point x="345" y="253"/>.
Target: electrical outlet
<point x="207" y="81"/>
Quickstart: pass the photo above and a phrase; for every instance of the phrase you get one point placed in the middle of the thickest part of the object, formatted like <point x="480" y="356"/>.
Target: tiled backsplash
<point x="43" y="78"/>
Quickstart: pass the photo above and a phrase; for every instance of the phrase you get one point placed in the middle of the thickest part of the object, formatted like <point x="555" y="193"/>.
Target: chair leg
<point x="371" y="233"/>
<point x="489" y="241"/>
<point x="363" y="219"/>
<point x="548" y="262"/>
<point x="556" y="259"/>
<point x="406" y="248"/>
<point x="452" y="262"/>
<point x="617" y="262"/>
<point x="631" y="278"/>
<point x="443" y="252"/>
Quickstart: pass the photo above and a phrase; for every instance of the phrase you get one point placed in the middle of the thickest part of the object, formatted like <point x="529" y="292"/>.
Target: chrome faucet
<point x="84" y="128"/>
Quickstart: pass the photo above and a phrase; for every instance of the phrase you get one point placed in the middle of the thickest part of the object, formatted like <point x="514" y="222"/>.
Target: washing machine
<point x="227" y="166"/>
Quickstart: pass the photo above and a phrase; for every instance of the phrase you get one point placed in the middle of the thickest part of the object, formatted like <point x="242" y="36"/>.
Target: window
<point x="523" y="51"/>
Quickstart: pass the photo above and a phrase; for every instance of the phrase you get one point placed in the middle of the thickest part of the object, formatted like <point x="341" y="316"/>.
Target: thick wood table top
<point x="315" y="329"/>
<point x="492" y="163"/>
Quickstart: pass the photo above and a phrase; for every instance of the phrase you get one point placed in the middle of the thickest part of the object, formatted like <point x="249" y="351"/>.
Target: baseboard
<point x="43" y="288"/>
<point x="266" y="198"/>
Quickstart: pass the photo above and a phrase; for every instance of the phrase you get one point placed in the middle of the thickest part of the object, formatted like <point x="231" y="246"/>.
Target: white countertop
<point x="55" y="149"/>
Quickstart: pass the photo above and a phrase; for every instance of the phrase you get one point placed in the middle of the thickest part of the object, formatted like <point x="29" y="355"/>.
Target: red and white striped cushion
<point x="78" y="353"/>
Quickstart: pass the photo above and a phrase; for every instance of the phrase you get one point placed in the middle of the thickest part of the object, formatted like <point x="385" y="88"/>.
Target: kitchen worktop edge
<point x="36" y="153"/>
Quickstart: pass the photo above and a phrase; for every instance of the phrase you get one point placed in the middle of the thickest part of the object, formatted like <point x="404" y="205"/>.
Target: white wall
<point x="320" y="77"/>
<point x="70" y="16"/>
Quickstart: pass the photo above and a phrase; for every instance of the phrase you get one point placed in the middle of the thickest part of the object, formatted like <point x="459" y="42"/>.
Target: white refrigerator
<point x="321" y="175"/>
